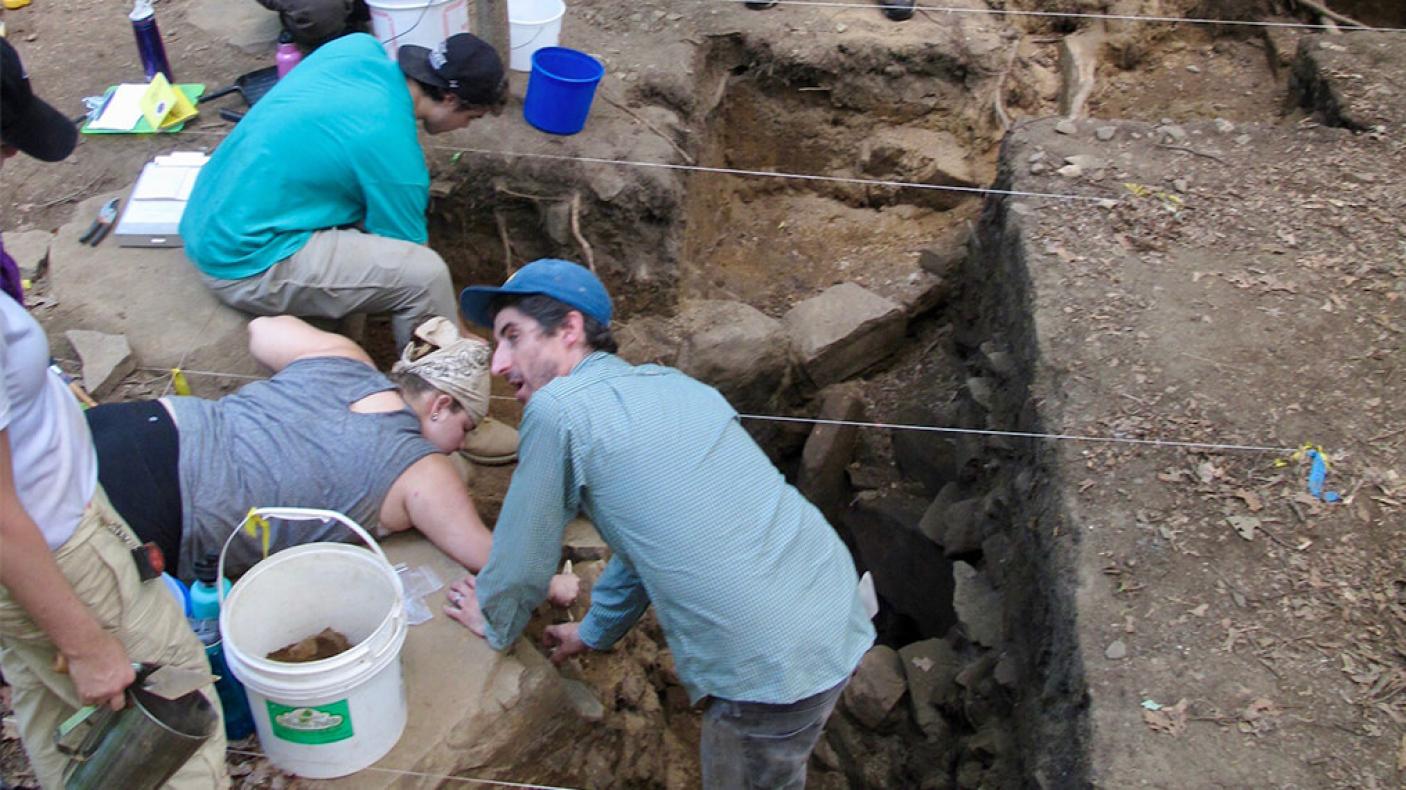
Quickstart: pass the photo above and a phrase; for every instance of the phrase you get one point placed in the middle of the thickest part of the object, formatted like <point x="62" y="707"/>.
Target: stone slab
<point x="736" y="348"/>
<point x="153" y="296"/>
<point x="1078" y="65"/>
<point x="910" y="572"/>
<point x="245" y="25"/>
<point x="30" y="249"/>
<point x="472" y="711"/>
<point x="829" y="449"/>
<point x="978" y="605"/>
<point x="843" y="331"/>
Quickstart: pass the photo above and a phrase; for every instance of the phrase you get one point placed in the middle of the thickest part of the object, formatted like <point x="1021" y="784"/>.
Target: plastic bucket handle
<point x="295" y="514"/>
<point x="540" y="25"/>
<point x="532" y="40"/>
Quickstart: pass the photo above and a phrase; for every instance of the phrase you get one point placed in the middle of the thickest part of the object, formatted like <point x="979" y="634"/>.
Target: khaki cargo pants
<point x="342" y="272"/>
<point x="97" y="561"/>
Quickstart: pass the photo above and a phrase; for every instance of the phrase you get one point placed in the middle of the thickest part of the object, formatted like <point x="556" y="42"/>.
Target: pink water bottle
<point x="287" y="55"/>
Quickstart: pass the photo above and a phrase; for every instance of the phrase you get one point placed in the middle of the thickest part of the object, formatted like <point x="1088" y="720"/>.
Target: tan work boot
<point x="492" y="443"/>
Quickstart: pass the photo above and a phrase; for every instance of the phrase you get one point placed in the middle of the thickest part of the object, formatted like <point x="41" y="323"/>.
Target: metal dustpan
<point x="251" y="86"/>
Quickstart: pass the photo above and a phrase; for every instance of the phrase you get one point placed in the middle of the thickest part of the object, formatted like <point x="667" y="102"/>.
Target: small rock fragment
<point x="877" y="686"/>
<point x="1106" y="133"/>
<point x="1116" y="651"/>
<point x="1223" y="126"/>
<point x="1067" y="126"/>
<point x="583" y="700"/>
<point x="106" y="359"/>
<point x="1172" y="133"/>
<point x="1243" y="139"/>
<point x="1071" y="171"/>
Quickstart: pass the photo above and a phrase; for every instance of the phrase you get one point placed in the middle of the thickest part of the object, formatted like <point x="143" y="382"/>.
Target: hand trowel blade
<point x="174" y="682"/>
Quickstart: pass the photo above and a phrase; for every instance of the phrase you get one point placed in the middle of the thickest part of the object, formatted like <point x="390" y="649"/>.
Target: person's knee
<point x="426" y="267"/>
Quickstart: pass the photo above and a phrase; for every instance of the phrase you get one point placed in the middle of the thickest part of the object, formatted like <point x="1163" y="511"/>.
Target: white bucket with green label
<point x="334" y="716"/>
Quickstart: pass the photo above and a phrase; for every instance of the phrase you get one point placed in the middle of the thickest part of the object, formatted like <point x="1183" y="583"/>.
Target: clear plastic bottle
<point x="288" y="54"/>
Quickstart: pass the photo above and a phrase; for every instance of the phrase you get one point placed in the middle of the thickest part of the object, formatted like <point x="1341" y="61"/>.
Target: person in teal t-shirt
<point x="315" y="204"/>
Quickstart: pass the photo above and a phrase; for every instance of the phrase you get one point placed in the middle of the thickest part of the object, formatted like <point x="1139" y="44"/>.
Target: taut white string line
<point x="1026" y="435"/>
<point x="424" y="775"/>
<point x="936" y="429"/>
<point x="171" y="382"/>
<point x="733" y="171"/>
<point x="1088" y="15"/>
<point x="215" y="373"/>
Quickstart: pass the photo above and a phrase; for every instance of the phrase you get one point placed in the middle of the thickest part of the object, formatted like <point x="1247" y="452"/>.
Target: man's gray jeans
<point x="753" y="745"/>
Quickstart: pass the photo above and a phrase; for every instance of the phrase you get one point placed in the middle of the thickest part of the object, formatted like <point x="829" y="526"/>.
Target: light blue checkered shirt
<point x="756" y="594"/>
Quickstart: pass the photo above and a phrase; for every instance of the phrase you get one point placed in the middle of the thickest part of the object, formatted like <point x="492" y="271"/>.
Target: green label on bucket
<point x="311" y="725"/>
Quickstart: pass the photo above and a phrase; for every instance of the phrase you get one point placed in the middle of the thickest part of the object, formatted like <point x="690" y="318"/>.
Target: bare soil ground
<point x="1261" y="305"/>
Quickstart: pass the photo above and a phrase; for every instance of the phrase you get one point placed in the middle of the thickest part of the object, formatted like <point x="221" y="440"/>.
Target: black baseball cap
<point x="462" y="64"/>
<point x="27" y="122"/>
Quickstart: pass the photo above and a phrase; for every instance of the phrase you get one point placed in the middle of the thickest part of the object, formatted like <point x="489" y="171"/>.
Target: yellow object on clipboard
<point x="133" y="108"/>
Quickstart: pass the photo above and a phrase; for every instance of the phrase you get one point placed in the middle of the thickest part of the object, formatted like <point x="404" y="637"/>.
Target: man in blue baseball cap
<point x="757" y="596"/>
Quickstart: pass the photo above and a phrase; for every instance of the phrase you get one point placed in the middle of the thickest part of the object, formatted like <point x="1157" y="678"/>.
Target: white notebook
<point x="152" y="217"/>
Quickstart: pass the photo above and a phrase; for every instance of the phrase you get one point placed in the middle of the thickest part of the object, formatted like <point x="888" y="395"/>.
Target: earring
<point x="435" y="417"/>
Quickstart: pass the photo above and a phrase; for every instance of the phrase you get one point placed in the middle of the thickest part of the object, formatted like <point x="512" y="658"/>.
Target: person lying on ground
<point x="756" y="594"/>
<point x="315" y="204"/>
<point x="326" y="431"/>
<point x="68" y="584"/>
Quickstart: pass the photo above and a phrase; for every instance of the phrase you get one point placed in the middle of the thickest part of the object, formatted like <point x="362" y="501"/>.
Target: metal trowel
<point x="171" y="682"/>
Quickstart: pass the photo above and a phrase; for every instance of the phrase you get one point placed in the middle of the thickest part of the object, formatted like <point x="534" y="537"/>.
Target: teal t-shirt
<point x="332" y="145"/>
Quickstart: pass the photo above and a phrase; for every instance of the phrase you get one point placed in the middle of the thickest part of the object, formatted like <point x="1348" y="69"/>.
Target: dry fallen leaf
<point x="1245" y="526"/>
<point x="1250" y="498"/>
<point x="1171" y="720"/>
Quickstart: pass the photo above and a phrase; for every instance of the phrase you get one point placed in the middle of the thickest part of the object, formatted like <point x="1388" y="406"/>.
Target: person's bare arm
<point x="278" y="341"/>
<point x="431" y="497"/>
<point x="97" y="661"/>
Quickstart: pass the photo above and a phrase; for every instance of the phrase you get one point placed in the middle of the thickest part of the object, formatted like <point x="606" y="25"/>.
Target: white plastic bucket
<point x="333" y="717"/>
<point x="424" y="23"/>
<point x="532" y="24"/>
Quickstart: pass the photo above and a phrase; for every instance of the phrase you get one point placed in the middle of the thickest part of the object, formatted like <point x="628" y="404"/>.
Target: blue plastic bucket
<point x="560" y="90"/>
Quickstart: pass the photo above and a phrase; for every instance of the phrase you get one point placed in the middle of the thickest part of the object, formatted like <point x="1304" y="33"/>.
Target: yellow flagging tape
<point x="256" y="526"/>
<point x="178" y="382"/>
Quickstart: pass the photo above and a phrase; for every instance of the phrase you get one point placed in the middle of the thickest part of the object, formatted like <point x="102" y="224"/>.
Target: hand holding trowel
<point x="166" y="682"/>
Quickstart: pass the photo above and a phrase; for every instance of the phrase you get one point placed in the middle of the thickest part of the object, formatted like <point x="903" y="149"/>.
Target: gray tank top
<point x="289" y="441"/>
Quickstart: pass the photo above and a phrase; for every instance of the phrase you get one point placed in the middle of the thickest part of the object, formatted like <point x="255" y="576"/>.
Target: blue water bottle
<point x="205" y="619"/>
<point x="149" y="46"/>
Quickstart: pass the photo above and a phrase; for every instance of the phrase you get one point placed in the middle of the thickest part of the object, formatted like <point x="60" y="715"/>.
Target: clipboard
<point x="189" y="94"/>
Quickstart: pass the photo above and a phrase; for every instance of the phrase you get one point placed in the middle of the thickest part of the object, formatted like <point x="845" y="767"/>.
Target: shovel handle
<point x="217" y="94"/>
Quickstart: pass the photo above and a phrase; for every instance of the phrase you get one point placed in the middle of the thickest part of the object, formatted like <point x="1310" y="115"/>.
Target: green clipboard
<point x="192" y="90"/>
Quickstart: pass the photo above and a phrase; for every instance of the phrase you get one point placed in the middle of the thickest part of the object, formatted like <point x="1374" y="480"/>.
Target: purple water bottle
<point x="149" y="46"/>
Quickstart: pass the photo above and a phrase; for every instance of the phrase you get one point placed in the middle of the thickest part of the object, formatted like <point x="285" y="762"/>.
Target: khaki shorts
<point x="97" y="562"/>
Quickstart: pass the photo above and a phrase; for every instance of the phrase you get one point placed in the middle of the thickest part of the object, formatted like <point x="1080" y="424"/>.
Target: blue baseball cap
<point x="564" y="281"/>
